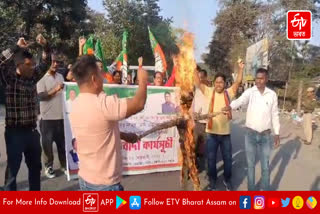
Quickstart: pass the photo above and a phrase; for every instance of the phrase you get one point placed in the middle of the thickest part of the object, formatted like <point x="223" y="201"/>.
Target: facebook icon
<point x="245" y="202"/>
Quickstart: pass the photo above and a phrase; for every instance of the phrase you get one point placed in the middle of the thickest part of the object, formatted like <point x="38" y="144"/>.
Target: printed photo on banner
<point x="157" y="152"/>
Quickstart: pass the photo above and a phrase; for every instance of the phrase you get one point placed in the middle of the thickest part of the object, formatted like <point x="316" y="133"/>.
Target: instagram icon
<point x="259" y="202"/>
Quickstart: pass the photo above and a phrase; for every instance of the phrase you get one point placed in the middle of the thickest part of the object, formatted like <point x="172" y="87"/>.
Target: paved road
<point x="294" y="166"/>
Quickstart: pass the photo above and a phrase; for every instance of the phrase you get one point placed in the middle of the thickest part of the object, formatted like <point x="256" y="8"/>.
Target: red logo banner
<point x="299" y="25"/>
<point x="159" y="202"/>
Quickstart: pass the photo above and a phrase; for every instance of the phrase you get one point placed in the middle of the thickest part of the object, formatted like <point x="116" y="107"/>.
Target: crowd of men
<point x="95" y="116"/>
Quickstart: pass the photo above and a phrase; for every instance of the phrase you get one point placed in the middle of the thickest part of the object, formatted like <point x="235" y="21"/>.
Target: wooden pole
<point x="285" y="96"/>
<point x="299" y="97"/>
<point x="176" y="121"/>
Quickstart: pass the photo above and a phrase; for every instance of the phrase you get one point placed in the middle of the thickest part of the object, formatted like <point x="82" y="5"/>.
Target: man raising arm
<point x="218" y="128"/>
<point x="19" y="78"/>
<point x="94" y="121"/>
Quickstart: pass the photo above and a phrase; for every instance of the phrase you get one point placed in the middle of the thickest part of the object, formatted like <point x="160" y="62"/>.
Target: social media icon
<point x="259" y="202"/>
<point x="297" y="202"/>
<point x="273" y="202"/>
<point x="120" y="202"/>
<point x="286" y="202"/>
<point x="245" y="202"/>
<point x="135" y="202"/>
<point x="311" y="202"/>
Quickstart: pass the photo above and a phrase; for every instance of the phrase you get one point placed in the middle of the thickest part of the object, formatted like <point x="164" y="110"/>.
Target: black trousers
<point x="23" y="141"/>
<point x="53" y="131"/>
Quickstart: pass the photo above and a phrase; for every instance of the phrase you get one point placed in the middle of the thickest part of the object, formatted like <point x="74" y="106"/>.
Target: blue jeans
<point x="213" y="143"/>
<point x="254" y="140"/>
<point x="85" y="186"/>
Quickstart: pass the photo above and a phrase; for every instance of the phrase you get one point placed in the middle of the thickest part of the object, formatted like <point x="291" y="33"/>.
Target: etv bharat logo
<point x="299" y="25"/>
<point x="90" y="202"/>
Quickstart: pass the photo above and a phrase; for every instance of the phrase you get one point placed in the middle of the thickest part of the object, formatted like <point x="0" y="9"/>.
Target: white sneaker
<point x="50" y="173"/>
<point x="64" y="170"/>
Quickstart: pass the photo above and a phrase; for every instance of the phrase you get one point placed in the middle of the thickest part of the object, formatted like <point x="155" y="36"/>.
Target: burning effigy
<point x="185" y="119"/>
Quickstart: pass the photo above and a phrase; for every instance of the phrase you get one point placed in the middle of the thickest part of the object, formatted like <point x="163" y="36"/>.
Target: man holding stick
<point x="94" y="121"/>
<point x="218" y="128"/>
<point x="262" y="115"/>
<point x="200" y="105"/>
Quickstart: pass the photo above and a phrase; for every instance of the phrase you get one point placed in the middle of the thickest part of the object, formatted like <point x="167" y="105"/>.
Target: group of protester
<point x="94" y="118"/>
<point x="26" y="83"/>
<point x="115" y="77"/>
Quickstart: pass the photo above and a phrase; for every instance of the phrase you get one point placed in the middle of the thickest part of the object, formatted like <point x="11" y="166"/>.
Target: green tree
<point x="136" y="16"/>
<point x="59" y="21"/>
<point x="10" y="26"/>
<point x="240" y="24"/>
<point x="286" y="57"/>
<point x="236" y="25"/>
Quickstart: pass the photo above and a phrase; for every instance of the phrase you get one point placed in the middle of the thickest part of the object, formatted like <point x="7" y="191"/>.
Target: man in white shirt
<point x="200" y="105"/>
<point x="262" y="115"/>
<point x="72" y="97"/>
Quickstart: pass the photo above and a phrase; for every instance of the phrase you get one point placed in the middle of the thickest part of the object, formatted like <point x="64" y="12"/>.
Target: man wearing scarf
<point x="218" y="128"/>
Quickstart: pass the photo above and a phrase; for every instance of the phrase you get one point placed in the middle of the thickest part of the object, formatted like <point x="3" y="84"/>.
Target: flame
<point x="184" y="78"/>
<point x="186" y="63"/>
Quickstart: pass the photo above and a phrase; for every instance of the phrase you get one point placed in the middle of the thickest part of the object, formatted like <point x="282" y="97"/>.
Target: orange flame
<point x="186" y="63"/>
<point x="186" y="67"/>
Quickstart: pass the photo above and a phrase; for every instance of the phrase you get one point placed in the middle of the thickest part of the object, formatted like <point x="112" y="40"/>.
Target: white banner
<point x="157" y="152"/>
<point x="257" y="57"/>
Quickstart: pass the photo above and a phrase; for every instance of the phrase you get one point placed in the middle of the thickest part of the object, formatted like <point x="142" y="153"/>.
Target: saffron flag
<point x="88" y="46"/>
<point x="160" y="60"/>
<point x="121" y="62"/>
<point x="98" y="52"/>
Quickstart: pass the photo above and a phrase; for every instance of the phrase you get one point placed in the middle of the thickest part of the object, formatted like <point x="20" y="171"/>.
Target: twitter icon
<point x="286" y="202"/>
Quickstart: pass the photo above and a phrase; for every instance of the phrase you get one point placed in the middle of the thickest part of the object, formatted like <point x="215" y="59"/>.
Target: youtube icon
<point x="273" y="202"/>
